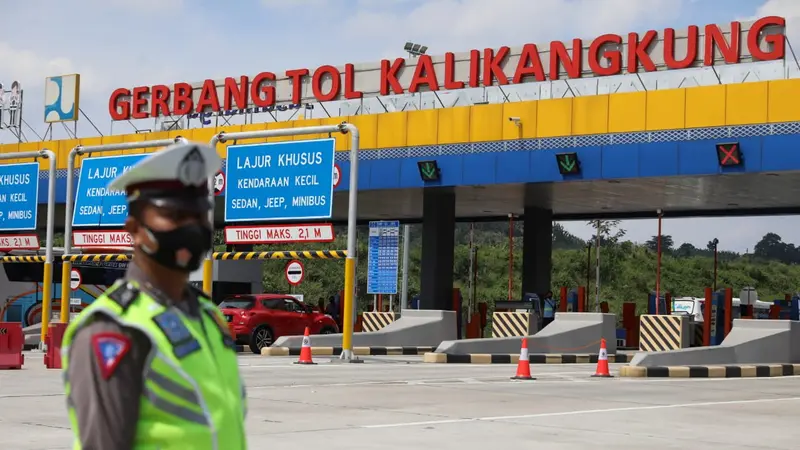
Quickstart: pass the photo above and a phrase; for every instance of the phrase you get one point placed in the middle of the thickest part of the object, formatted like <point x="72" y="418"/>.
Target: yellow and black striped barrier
<point x="374" y="321"/>
<point x="511" y="324"/>
<point x="697" y="334"/>
<point x="22" y="259"/>
<point x="729" y="371"/>
<point x="303" y="254"/>
<point x="99" y="257"/>
<point x="661" y="333"/>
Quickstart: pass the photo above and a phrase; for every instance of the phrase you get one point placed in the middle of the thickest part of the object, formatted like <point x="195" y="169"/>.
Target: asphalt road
<point x="400" y="403"/>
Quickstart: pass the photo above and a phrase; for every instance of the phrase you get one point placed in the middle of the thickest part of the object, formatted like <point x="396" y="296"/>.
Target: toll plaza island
<point x="710" y="150"/>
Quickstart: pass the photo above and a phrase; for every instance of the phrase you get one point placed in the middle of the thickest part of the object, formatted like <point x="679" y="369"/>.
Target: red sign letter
<point x="529" y="65"/>
<point x="612" y="56"/>
<point x="261" y="92"/>
<point x="139" y="102"/>
<point x="715" y="39"/>
<point x="389" y="76"/>
<point x="691" y="48"/>
<point x="424" y="74"/>
<point x="235" y="92"/>
<point x="572" y="65"/>
<point x="159" y="98"/>
<point x="182" y="99"/>
<point x="208" y="98"/>
<point x="118" y="108"/>
<point x="350" y="91"/>
<point x="450" y="82"/>
<point x="638" y="52"/>
<point x="316" y="83"/>
<point x="775" y="41"/>
<point x="492" y="66"/>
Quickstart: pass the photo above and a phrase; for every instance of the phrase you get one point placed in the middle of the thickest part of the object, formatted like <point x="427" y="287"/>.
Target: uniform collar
<point x="135" y="273"/>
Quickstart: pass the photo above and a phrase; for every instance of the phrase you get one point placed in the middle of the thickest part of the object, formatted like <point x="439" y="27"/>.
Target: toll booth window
<point x="25" y="272"/>
<point x="224" y="289"/>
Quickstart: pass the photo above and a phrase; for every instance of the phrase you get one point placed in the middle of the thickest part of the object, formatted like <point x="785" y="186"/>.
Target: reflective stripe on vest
<point x="174" y="387"/>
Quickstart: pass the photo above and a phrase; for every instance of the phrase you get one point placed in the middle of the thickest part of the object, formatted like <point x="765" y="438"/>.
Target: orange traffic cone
<point x="524" y="364"/>
<point x="602" y="362"/>
<point x="305" y="350"/>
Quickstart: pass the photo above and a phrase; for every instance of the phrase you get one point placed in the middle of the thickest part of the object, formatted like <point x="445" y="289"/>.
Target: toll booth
<point x="231" y="277"/>
<point x="572" y="300"/>
<point x="718" y="306"/>
<point x="788" y="308"/>
<point x="514" y="318"/>
<point x="664" y="303"/>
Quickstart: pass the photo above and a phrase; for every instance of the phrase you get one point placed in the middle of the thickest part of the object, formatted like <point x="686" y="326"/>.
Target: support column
<point x="438" y="245"/>
<point x="537" y="248"/>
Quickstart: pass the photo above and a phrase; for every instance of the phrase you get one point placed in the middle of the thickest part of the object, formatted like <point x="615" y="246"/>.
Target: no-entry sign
<point x="295" y="272"/>
<point x="219" y="183"/>
<point x="337" y="175"/>
<point x="74" y="279"/>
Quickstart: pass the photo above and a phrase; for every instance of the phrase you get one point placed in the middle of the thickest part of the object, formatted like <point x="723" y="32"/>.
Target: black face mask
<point x="180" y="249"/>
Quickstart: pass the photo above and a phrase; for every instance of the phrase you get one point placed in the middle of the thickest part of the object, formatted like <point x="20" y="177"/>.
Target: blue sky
<point x="115" y="43"/>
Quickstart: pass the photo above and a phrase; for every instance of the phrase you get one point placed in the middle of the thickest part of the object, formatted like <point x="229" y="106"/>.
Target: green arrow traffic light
<point x="568" y="163"/>
<point x="428" y="170"/>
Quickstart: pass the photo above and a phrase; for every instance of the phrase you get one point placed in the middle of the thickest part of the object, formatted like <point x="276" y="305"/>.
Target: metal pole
<point x="658" y="265"/>
<point x="510" y="255"/>
<point x="350" y="262"/>
<point x="597" y="269"/>
<point x="66" y="266"/>
<point x="352" y="214"/>
<point x="47" y="279"/>
<point x="406" y="258"/>
<point x="588" y="264"/>
<point x="716" y="242"/>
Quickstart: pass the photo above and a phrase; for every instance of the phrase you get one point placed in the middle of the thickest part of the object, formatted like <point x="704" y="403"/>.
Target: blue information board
<point x="19" y="196"/>
<point x="279" y="181"/>
<point x="95" y="204"/>
<point x="384" y="252"/>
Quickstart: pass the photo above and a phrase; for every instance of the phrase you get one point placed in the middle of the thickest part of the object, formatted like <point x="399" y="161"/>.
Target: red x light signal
<point x="729" y="154"/>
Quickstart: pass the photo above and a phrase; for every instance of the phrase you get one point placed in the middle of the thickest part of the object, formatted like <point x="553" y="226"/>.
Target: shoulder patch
<point x="110" y="348"/>
<point x="125" y="295"/>
<point x="182" y="340"/>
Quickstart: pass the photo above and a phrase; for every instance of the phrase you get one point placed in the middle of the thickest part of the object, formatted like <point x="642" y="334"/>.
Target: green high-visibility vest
<point x="193" y="396"/>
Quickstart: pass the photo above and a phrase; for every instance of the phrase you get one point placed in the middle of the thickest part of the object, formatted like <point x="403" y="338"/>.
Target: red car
<point x="257" y="320"/>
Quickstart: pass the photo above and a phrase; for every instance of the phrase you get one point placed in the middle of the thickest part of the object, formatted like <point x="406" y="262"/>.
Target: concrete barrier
<point x="414" y="328"/>
<point x="568" y="333"/>
<point x="749" y="342"/>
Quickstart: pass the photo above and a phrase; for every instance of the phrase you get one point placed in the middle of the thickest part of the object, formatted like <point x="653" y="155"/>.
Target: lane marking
<point x="579" y="412"/>
<point x="717" y="380"/>
<point x="550" y="378"/>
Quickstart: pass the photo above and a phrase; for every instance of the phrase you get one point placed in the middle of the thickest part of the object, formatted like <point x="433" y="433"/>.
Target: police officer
<point x="151" y="363"/>
<point x="549" y="309"/>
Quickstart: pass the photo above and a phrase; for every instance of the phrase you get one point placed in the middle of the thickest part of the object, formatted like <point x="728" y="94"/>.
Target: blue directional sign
<point x="95" y="204"/>
<point x="382" y="262"/>
<point x="279" y="181"/>
<point x="19" y="196"/>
